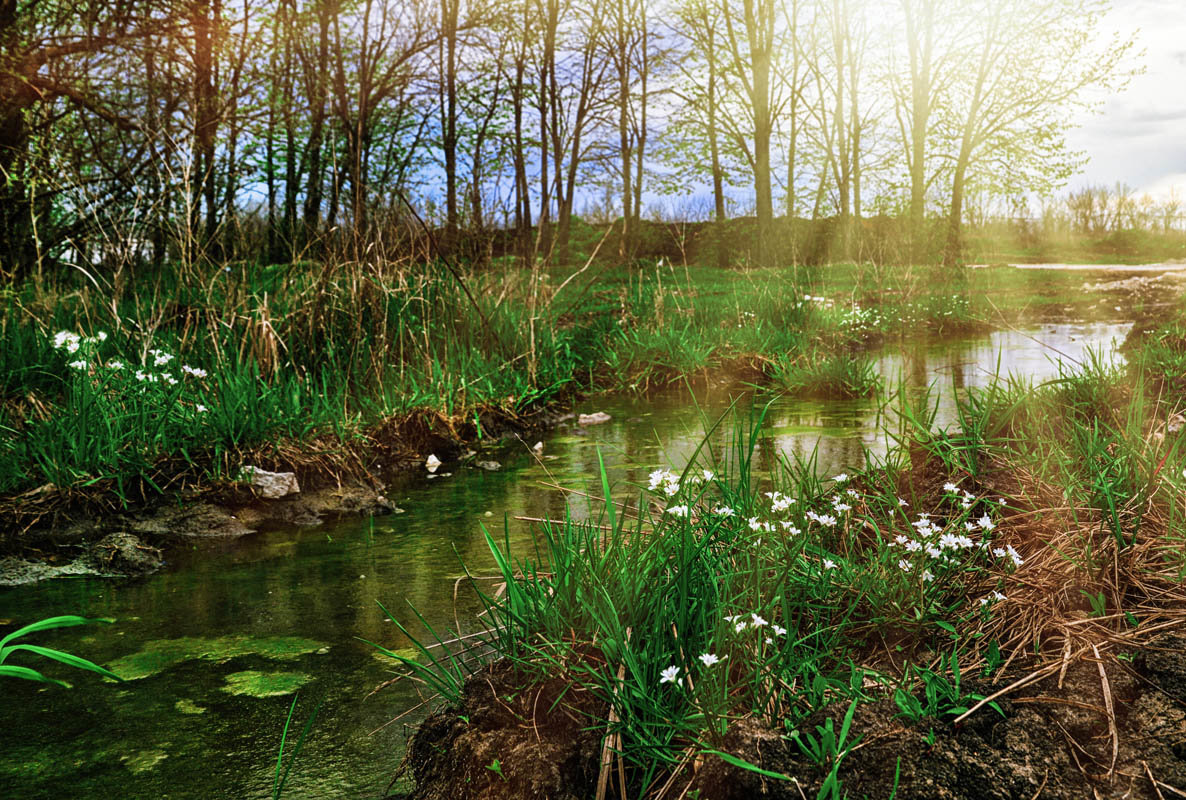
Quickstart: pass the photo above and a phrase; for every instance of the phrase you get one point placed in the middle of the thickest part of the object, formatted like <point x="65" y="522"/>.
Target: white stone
<point x="271" y="485"/>
<point x="596" y="418"/>
<point x="431" y="463"/>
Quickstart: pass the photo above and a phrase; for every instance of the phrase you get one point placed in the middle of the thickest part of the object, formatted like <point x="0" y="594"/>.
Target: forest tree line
<point x="273" y="130"/>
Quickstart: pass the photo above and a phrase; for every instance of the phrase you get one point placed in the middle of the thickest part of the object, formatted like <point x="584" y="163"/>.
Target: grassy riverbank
<point x="726" y="629"/>
<point x="176" y="379"/>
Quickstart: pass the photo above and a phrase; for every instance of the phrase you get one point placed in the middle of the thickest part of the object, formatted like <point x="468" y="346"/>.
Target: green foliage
<point x="7" y="649"/>
<point x="290" y="354"/>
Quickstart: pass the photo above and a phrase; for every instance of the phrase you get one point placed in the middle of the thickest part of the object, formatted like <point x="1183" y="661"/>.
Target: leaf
<point x="28" y="674"/>
<point x="740" y="762"/>
<point x="65" y="658"/>
<point x="50" y="623"/>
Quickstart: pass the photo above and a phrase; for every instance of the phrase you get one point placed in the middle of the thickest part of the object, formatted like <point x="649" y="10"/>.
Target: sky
<point x="1139" y="136"/>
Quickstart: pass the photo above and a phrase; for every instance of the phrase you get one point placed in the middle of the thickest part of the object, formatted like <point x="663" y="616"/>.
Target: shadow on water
<point x="217" y="642"/>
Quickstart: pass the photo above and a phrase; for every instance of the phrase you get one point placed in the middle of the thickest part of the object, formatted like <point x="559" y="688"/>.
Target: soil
<point x="508" y="742"/>
<point x="1053" y="742"/>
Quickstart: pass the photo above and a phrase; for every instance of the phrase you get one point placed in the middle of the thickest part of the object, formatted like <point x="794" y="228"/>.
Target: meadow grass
<point x="1046" y="522"/>
<point x="282" y="356"/>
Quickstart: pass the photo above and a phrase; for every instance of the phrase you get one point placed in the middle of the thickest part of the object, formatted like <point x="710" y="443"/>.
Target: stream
<point x="218" y="641"/>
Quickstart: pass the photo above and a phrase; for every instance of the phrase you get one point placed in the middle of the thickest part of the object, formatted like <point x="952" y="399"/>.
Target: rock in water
<point x="596" y="418"/>
<point x="271" y="485"/>
<point x="489" y="466"/>
<point x="431" y="463"/>
<point x="124" y="554"/>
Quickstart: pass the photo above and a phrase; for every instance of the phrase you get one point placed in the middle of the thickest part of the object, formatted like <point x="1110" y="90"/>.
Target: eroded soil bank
<point x="52" y="533"/>
<point x="1056" y="741"/>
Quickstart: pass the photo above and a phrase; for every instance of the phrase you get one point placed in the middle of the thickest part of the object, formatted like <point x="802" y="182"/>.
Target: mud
<point x="1053" y="742"/>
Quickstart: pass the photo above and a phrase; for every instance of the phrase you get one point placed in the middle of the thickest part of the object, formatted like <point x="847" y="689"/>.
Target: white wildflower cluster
<point x="666" y="480"/>
<point x="939" y="306"/>
<point x="150" y="372"/>
<point x="949" y="543"/>
<point x="755" y="622"/>
<point x="779" y="501"/>
<point x="671" y="673"/>
<point x="858" y="318"/>
<point x="72" y="342"/>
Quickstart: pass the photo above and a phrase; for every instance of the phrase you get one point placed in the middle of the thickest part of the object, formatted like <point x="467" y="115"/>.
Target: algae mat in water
<point x="158" y="655"/>
<point x="253" y="683"/>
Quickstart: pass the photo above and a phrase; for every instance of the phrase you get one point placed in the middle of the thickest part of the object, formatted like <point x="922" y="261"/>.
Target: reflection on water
<point x="179" y="732"/>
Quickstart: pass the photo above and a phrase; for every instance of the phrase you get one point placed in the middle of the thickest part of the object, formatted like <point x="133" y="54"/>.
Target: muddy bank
<point x="1056" y="740"/>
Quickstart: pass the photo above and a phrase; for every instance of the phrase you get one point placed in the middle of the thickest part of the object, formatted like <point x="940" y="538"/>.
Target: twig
<point x="1111" y="712"/>
<point x="1152" y="780"/>
<point x="448" y="264"/>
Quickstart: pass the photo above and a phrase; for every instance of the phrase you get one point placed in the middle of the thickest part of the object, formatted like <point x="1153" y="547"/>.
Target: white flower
<point x="738" y="627"/>
<point x="724" y="511"/>
<point x="65" y="340"/>
<point x="432" y="463"/>
<point x="903" y="565"/>
<point x="678" y="511"/>
<point x="913" y="545"/>
<point x="758" y="621"/>
<point x="927" y="576"/>
<point x="670" y="675"/>
<point x="899" y="539"/>
<point x="1013" y="554"/>
<point x="779" y="501"/>
<point x="949" y="540"/>
<point x="829" y="564"/>
<point x="160" y="358"/>
<point x="950" y="487"/>
<point x="709" y="475"/>
<point x="933" y="552"/>
<point x="841" y="507"/>
<point x="997" y="596"/>
<point x="754" y="524"/>
<point x="708" y="659"/>
<point x="665" y="478"/>
<point x="201" y="408"/>
<point x="115" y="364"/>
<point x="853" y="493"/>
<point x="194" y="371"/>
<point x="985" y="523"/>
<point x="999" y="552"/>
<point x="902" y="503"/>
<point x="102" y="337"/>
<point x="77" y="365"/>
<point x="778" y="630"/>
<point x="841" y="478"/>
<point x="789" y="528"/>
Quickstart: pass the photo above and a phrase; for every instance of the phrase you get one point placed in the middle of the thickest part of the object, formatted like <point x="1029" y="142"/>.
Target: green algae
<point x="253" y="683"/>
<point x="138" y="763"/>
<point x="159" y="655"/>
<point x="189" y="707"/>
<point x="409" y="653"/>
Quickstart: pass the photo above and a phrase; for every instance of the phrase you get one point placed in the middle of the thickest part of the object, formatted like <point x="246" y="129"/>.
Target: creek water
<point x="218" y="640"/>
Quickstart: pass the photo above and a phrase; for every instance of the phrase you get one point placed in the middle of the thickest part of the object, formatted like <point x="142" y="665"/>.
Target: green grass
<point x="314" y="358"/>
<point x="726" y="594"/>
